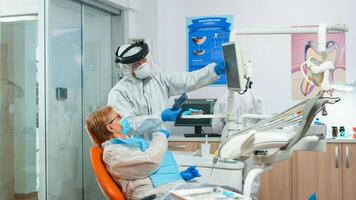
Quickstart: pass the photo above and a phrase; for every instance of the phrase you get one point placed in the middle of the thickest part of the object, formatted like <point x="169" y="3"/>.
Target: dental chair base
<point x="251" y="177"/>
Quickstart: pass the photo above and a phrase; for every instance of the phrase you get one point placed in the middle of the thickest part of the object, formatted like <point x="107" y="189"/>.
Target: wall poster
<point x="205" y="35"/>
<point x="306" y="45"/>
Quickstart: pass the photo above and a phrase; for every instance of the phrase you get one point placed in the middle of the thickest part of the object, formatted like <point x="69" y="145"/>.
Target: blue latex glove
<point x="165" y="132"/>
<point x="125" y="125"/>
<point x="190" y="173"/>
<point x="313" y="196"/>
<point x="220" y="68"/>
<point x="170" y="115"/>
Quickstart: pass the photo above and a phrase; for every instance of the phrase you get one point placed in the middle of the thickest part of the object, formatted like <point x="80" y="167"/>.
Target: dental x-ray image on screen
<point x="235" y="68"/>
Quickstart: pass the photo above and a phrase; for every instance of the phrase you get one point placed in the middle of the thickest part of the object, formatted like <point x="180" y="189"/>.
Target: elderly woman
<point x="140" y="167"/>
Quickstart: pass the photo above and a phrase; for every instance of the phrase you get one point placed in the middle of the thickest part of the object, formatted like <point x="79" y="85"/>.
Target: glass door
<point x="79" y="75"/>
<point x="97" y="80"/>
<point x="19" y="108"/>
<point x="63" y="101"/>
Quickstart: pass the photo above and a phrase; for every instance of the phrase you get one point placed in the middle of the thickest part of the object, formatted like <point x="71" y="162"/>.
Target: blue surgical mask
<point x="125" y="125"/>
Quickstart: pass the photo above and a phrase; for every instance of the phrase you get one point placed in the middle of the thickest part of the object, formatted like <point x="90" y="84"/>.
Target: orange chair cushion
<point x="107" y="184"/>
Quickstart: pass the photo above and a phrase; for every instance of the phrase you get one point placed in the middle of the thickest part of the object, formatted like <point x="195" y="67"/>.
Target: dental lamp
<point x="345" y="87"/>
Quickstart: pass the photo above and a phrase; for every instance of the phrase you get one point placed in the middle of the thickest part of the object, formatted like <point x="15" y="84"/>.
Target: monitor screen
<point x="206" y="105"/>
<point x="234" y="65"/>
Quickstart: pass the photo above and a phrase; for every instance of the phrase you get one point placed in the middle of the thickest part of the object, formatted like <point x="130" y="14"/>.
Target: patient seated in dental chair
<point x="141" y="168"/>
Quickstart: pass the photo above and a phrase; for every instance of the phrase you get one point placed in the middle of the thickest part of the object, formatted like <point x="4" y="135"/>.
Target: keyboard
<point x="201" y="135"/>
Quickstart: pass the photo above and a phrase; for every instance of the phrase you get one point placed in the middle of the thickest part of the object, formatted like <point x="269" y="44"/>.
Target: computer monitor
<point x="235" y="66"/>
<point x="206" y="105"/>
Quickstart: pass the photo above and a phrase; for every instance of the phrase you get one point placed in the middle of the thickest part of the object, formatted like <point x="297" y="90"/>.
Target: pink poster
<point x="305" y="46"/>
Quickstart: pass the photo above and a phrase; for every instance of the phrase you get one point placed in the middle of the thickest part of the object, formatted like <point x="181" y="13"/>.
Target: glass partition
<point x="18" y="108"/>
<point x="97" y="77"/>
<point x="74" y="75"/>
<point x="63" y="100"/>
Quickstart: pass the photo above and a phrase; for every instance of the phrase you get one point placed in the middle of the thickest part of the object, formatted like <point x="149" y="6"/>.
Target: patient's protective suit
<point x="132" y="168"/>
<point x="142" y="101"/>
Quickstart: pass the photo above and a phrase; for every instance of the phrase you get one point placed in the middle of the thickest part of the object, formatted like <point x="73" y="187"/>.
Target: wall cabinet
<point x="349" y="172"/>
<point x="318" y="172"/>
<point x="332" y="175"/>
<point x="276" y="184"/>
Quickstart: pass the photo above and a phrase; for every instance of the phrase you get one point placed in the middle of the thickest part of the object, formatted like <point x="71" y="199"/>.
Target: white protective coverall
<point x="142" y="101"/>
<point x="130" y="168"/>
<point x="246" y="103"/>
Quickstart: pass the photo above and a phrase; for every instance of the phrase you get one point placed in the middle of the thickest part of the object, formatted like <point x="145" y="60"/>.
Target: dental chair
<point x="274" y="139"/>
<point x="108" y="186"/>
<point x="94" y="140"/>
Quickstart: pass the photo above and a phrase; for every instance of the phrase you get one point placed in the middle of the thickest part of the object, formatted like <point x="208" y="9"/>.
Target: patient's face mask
<point x="143" y="71"/>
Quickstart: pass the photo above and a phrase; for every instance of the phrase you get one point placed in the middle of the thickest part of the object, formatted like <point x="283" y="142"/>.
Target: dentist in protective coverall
<point x="247" y="103"/>
<point x="142" y="94"/>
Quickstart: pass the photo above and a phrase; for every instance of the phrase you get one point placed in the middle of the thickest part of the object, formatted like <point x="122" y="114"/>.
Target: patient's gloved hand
<point x="190" y="173"/>
<point x="165" y="132"/>
<point x="170" y="115"/>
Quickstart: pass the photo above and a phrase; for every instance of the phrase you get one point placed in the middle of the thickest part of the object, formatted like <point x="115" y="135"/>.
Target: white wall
<point x="18" y="7"/>
<point x="143" y="24"/>
<point x="271" y="54"/>
<point x="126" y="4"/>
<point x="140" y="18"/>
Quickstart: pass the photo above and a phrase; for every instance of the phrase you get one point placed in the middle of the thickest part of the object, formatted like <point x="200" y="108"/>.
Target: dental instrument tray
<point x="207" y="193"/>
<point x="179" y="102"/>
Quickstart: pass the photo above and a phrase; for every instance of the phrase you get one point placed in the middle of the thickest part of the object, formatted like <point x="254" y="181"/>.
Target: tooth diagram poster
<point x="304" y="46"/>
<point x="205" y="36"/>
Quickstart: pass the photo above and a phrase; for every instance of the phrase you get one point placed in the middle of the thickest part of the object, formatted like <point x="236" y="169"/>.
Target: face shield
<point x="134" y="60"/>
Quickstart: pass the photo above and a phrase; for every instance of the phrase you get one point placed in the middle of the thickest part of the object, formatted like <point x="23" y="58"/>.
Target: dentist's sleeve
<point x="138" y="124"/>
<point x="126" y="163"/>
<point x="179" y="83"/>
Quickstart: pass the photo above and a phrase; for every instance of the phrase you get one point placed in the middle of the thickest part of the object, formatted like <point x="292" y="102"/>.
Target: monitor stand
<point x="199" y="133"/>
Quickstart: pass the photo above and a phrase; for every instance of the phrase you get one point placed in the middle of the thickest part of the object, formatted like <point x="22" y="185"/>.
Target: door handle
<point x="336" y="157"/>
<point x="347" y="154"/>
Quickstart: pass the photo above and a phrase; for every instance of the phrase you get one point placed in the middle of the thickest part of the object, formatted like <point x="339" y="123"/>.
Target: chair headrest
<point x="95" y="141"/>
